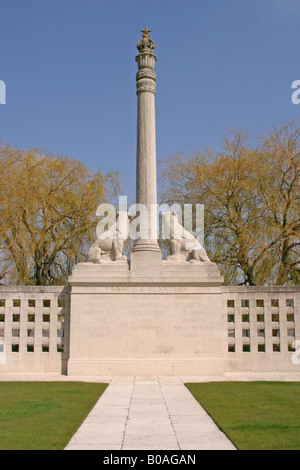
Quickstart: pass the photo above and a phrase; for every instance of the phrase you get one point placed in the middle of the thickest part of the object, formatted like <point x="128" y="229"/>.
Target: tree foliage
<point x="251" y="198"/>
<point x="47" y="214"/>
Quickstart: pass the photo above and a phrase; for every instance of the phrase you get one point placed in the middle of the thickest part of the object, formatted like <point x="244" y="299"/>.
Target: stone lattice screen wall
<point x="260" y="328"/>
<point x="262" y="325"/>
<point x="34" y="328"/>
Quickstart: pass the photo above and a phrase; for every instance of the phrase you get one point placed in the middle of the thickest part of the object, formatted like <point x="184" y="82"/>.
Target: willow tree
<point x="251" y="199"/>
<point x="279" y="186"/>
<point x="47" y="214"/>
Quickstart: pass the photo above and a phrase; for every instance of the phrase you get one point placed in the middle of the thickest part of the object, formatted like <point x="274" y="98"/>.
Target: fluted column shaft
<point x="146" y="188"/>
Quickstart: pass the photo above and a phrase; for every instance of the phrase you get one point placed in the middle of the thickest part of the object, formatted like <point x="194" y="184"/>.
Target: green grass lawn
<point x="254" y="415"/>
<point x="43" y="415"/>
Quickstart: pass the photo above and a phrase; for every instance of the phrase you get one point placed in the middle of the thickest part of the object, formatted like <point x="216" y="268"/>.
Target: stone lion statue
<point x="110" y="248"/>
<point x="183" y="245"/>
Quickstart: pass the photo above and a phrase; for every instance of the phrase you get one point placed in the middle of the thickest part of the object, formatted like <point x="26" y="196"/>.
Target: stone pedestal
<point x="127" y="322"/>
<point x="146" y="263"/>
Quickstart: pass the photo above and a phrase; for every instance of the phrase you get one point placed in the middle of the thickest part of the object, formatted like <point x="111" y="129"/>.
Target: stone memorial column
<point x="148" y="317"/>
<point x="146" y="248"/>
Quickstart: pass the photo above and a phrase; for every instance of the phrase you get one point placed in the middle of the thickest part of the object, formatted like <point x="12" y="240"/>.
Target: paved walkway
<point x="148" y="413"/>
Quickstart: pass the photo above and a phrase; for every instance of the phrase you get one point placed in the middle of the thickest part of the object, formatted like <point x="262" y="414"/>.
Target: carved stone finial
<point x="146" y="32"/>
<point x="145" y="44"/>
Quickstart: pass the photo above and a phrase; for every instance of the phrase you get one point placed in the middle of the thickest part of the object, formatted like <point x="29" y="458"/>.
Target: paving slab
<point x="148" y="413"/>
<point x="246" y="377"/>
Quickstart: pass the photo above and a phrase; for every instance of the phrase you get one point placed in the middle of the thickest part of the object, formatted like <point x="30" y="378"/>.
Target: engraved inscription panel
<point x="146" y="325"/>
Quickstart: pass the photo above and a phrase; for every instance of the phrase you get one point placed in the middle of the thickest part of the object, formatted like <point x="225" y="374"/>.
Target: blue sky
<point x="69" y="68"/>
